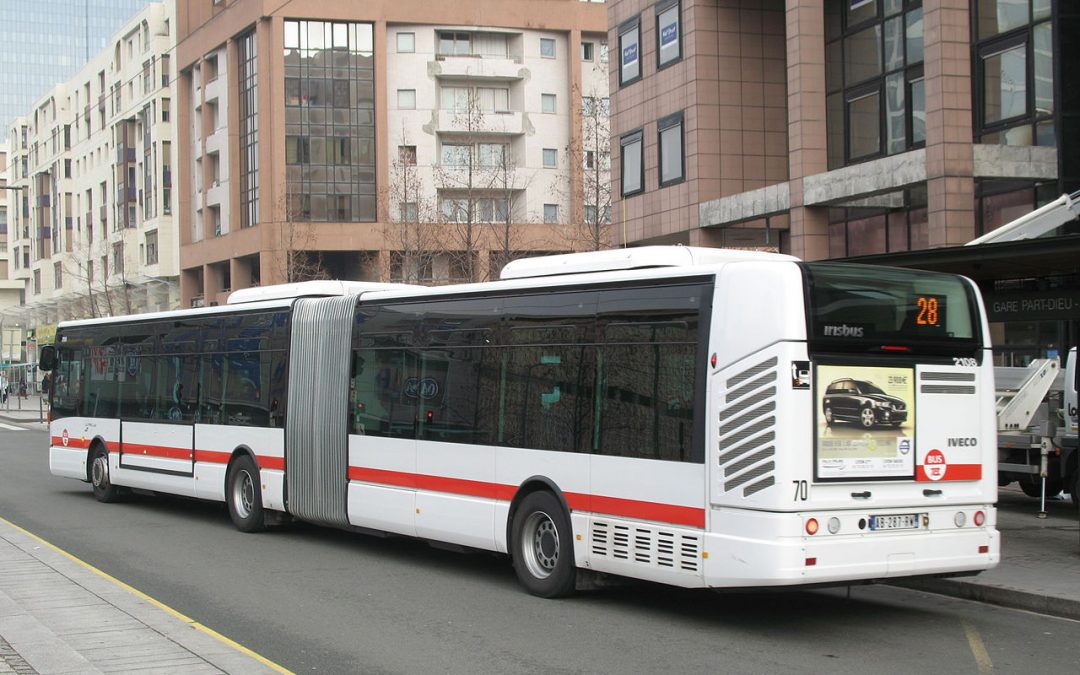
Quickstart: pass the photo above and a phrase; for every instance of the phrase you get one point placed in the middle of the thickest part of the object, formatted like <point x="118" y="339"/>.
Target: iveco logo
<point x="843" y="330"/>
<point x="962" y="442"/>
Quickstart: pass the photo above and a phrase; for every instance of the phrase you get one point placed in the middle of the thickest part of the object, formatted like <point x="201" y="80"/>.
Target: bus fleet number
<point x="802" y="490"/>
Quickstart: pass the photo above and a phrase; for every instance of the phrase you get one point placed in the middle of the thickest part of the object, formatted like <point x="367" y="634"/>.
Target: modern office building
<point x="44" y="43"/>
<point x="885" y="130"/>
<point x="401" y="140"/>
<point x="90" y="228"/>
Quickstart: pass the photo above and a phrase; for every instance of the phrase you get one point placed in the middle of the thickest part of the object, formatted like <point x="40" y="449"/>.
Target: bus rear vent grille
<point x="646" y="545"/>
<point x="748" y="429"/>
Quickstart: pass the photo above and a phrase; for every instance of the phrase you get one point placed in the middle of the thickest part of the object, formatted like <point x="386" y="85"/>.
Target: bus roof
<point x="629" y="259"/>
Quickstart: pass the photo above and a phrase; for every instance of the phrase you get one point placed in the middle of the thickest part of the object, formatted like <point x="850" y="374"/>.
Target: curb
<point x="996" y="595"/>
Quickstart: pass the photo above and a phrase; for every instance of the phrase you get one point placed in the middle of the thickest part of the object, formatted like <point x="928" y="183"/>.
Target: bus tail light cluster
<point x="978" y="519"/>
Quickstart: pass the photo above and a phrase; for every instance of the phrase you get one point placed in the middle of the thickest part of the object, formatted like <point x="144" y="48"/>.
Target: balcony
<point x="125" y="154"/>
<point x="494" y="123"/>
<point x="473" y="68"/>
<point x="43" y="201"/>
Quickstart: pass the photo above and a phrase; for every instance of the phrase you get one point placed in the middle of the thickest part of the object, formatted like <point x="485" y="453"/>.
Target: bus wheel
<point x="543" y="547"/>
<point x="104" y="490"/>
<point x="866" y="417"/>
<point x="244" y="495"/>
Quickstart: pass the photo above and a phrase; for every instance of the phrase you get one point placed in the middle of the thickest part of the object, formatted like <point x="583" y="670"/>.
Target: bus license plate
<point x="902" y="521"/>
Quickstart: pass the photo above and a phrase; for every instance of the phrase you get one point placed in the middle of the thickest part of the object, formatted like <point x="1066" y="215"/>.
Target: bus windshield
<point x="858" y="308"/>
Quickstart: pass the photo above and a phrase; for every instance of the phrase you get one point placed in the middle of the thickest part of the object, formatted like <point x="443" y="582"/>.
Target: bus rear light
<point x="810" y="562"/>
<point x="984" y="549"/>
<point x="812" y="526"/>
<point x="979" y="519"/>
<point x="712" y="360"/>
<point x="834" y="525"/>
<point x="895" y="348"/>
<point x="960" y="519"/>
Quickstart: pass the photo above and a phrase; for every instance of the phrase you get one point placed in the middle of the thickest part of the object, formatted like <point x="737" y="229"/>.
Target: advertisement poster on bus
<point x="864" y="422"/>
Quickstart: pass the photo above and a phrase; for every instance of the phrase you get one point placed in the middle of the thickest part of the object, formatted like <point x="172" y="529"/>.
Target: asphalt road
<point x="322" y="601"/>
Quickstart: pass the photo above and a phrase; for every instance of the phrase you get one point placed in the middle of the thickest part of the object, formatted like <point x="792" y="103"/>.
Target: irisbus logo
<point x="844" y="330"/>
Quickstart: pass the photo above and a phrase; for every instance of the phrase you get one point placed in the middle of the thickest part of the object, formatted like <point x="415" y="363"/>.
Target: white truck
<point x="1037" y="427"/>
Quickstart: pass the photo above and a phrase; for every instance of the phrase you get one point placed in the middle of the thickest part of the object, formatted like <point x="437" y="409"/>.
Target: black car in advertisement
<point x="862" y="402"/>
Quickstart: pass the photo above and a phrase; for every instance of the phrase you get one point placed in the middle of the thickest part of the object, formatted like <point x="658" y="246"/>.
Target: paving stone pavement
<point x="59" y="616"/>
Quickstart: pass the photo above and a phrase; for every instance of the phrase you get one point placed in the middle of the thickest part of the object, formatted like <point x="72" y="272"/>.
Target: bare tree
<point x="413" y="234"/>
<point x="297" y="258"/>
<point x="592" y="151"/>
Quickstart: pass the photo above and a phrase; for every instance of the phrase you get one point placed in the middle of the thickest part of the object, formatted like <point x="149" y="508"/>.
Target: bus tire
<point x="243" y="495"/>
<point x="543" y="546"/>
<point x="100" y="481"/>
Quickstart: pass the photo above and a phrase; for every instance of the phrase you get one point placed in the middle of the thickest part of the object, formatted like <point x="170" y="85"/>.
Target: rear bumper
<point x="779" y="553"/>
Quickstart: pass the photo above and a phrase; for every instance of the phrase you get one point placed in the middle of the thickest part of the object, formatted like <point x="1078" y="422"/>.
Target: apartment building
<point x="890" y="131"/>
<point x="91" y="232"/>
<point x="394" y="140"/>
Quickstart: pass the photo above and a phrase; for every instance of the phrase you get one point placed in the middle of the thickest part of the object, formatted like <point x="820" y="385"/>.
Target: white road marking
<point x="10" y="427"/>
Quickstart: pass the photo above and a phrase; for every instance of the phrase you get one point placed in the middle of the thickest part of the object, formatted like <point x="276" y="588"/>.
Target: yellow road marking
<point x="157" y="603"/>
<point x="978" y="649"/>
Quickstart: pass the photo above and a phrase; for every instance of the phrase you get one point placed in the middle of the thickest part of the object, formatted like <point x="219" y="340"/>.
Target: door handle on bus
<point x="861" y="495"/>
<point x="931" y="493"/>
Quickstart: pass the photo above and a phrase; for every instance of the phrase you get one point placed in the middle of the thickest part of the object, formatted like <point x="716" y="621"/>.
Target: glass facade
<point x="876" y="102"/>
<point x="249" y="131"/>
<point x="330" y="121"/>
<point x="43" y="43"/>
<point x="1014" y="64"/>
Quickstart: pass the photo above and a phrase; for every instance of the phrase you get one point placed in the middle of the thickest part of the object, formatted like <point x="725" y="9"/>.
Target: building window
<point x="587" y="51"/>
<point x="151" y="248"/>
<point x="1014" y="76"/>
<point x="547" y="103"/>
<point x="670" y="137"/>
<point x="867" y="231"/>
<point x="37" y="282"/>
<point x="409" y="213"/>
<point x="407" y="155"/>
<point x="406" y="99"/>
<point x="406" y="43"/>
<point x="876" y="102"/>
<point x="331" y="174"/>
<point x="165" y="109"/>
<point x="455" y="154"/>
<point x="551" y="158"/>
<point x="632" y="168"/>
<point x="249" y="133"/>
<point x="58" y="275"/>
<point x="492" y="155"/>
<point x="551" y="214"/>
<point x="547" y="48"/>
<point x="454" y="44"/>
<point x="630" y="52"/>
<point x="668" y="33"/>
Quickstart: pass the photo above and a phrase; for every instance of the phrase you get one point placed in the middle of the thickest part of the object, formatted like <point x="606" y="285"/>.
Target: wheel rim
<point x="243" y="496"/>
<point x="867" y="417"/>
<point x="99" y="471"/>
<point x="540" y="542"/>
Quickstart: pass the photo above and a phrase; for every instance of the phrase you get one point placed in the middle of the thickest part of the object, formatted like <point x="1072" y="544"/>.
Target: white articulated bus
<point x="696" y="417"/>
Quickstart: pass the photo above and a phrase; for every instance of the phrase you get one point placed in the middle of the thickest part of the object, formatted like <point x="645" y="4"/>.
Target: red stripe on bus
<point x="614" y="506"/>
<point x="212" y="456"/>
<point x="76" y="443"/>
<point x="952" y="472"/>
<point x="270" y="462"/>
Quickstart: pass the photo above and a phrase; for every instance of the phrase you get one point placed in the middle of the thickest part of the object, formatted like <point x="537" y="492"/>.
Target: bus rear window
<point x="857" y="307"/>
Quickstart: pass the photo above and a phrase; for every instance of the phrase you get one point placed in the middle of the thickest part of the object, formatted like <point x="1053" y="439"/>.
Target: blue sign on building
<point x="629" y="54"/>
<point x="669" y="34"/>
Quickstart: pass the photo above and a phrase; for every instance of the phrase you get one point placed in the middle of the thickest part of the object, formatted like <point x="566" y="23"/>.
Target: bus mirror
<point x="47" y="360"/>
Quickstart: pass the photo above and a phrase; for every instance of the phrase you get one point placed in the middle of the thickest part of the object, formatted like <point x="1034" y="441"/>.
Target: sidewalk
<point x="24" y="410"/>
<point x="1040" y="562"/>
<point x="58" y="615"/>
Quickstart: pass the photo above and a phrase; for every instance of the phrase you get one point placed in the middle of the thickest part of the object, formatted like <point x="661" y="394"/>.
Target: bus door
<point x="153" y="437"/>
